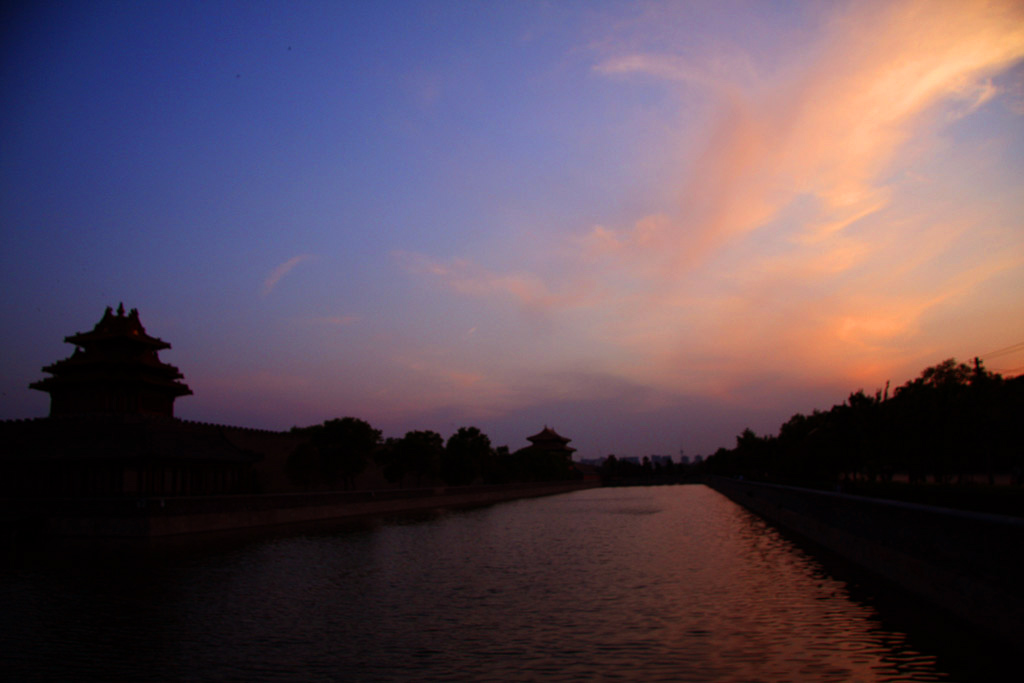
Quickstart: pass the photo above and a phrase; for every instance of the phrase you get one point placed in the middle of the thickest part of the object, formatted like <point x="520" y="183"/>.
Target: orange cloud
<point x="803" y="241"/>
<point x="832" y="131"/>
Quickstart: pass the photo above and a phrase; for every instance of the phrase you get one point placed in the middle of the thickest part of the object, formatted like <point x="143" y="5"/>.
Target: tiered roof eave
<point x="115" y="367"/>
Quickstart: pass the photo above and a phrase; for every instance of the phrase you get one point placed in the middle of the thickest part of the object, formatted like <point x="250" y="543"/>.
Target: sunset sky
<point x="646" y="225"/>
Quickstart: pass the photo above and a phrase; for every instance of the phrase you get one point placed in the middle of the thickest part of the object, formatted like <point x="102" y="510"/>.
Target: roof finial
<point x="120" y="310"/>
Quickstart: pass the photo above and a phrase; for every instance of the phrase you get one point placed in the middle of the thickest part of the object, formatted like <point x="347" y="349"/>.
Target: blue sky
<point x="649" y="225"/>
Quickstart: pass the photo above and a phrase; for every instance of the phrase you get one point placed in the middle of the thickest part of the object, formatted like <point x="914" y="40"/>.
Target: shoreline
<point x="163" y="517"/>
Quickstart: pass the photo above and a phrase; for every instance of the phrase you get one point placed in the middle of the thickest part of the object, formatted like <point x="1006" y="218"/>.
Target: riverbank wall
<point x="968" y="564"/>
<point x="141" y="518"/>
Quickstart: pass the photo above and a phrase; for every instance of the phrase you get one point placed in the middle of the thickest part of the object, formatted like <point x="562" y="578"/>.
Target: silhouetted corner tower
<point x="113" y="370"/>
<point x="550" y="441"/>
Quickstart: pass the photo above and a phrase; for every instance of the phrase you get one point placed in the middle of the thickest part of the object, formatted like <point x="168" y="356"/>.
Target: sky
<point x="646" y="225"/>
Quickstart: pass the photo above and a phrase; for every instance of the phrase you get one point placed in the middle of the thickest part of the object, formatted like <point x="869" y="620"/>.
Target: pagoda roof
<point x="119" y="326"/>
<point x="117" y="356"/>
<point x="547" y="435"/>
<point x="148" y="364"/>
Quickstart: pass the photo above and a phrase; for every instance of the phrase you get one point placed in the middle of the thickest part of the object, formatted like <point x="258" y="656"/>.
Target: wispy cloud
<point x="282" y="270"/>
<point x="336" y="320"/>
<point x="829" y="133"/>
<point x="662" y="66"/>
<point x="527" y="290"/>
<point x="799" y="243"/>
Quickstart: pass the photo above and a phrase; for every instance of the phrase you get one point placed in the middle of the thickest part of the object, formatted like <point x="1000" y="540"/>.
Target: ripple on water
<point x="669" y="583"/>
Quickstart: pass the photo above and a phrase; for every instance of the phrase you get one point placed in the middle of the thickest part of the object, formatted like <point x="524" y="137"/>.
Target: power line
<point x="1003" y="351"/>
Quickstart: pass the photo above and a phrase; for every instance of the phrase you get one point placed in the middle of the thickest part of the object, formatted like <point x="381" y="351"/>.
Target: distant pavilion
<point x="548" y="457"/>
<point x="550" y="441"/>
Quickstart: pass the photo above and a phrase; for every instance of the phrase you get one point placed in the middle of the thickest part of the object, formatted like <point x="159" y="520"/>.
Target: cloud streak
<point x="336" y="320"/>
<point x="280" y="271"/>
<point x="527" y="290"/>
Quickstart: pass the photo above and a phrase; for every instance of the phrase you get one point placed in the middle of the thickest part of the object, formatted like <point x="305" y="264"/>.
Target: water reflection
<point x="671" y="583"/>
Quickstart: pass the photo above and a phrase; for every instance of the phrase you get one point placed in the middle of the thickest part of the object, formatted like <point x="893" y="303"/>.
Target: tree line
<point x="625" y="472"/>
<point x="336" y="452"/>
<point x="955" y="422"/>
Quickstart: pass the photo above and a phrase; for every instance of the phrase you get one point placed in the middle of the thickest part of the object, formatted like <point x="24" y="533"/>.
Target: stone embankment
<point x="969" y="564"/>
<point x="136" y="518"/>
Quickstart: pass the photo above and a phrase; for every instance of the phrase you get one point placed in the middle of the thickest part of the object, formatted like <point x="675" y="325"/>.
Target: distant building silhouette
<point x="112" y="460"/>
<point x="548" y="457"/>
<point x="114" y="370"/>
<point x="112" y="431"/>
<point x="550" y="441"/>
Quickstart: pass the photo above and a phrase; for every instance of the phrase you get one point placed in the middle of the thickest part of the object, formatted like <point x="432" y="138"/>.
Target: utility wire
<point x="1003" y="351"/>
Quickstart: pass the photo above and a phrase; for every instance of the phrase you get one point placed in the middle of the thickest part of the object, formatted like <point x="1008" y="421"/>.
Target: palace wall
<point x="964" y="562"/>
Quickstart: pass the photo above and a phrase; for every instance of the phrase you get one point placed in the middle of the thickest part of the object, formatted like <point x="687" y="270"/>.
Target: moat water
<point x="634" y="584"/>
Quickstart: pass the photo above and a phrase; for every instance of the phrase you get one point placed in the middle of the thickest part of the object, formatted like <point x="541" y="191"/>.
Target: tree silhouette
<point x="417" y="453"/>
<point x="304" y="466"/>
<point x="344" y="447"/>
<point x="466" y="456"/>
<point x="954" y="421"/>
